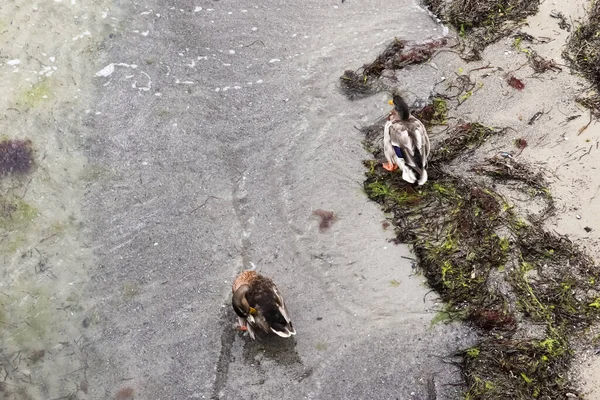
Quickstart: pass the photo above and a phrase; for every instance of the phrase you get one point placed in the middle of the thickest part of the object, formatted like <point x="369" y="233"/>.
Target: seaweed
<point x="463" y="137"/>
<point x="516" y="369"/>
<point x="592" y="102"/>
<point x="125" y="393"/>
<point x="459" y="89"/>
<point x="482" y="22"/>
<point x="515" y="82"/>
<point x="356" y="85"/>
<point x="495" y="269"/>
<point x="398" y="54"/>
<point x="521" y="143"/>
<point x="562" y="20"/>
<point x="538" y="63"/>
<point x="16" y="156"/>
<point x="583" y="54"/>
<point x="326" y="219"/>
<point x="434" y="114"/>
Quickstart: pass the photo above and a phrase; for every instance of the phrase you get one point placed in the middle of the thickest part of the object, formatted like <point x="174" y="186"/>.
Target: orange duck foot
<point x="390" y="167"/>
<point x="243" y="328"/>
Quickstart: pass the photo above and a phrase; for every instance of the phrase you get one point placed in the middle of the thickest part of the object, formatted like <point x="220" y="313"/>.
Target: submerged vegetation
<point x="16" y="160"/>
<point x="16" y="156"/>
<point x="583" y="53"/>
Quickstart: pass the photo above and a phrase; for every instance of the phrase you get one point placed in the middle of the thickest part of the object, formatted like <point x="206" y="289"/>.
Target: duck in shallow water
<point x="405" y="143"/>
<point x="258" y="304"/>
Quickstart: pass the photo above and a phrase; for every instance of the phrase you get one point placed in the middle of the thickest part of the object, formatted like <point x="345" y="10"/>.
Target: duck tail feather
<point x="250" y="332"/>
<point x="407" y="174"/>
<point x="285" y="333"/>
<point x="418" y="158"/>
<point x="422" y="177"/>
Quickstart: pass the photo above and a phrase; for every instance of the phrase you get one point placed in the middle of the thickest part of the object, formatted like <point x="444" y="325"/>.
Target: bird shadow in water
<point x="272" y="347"/>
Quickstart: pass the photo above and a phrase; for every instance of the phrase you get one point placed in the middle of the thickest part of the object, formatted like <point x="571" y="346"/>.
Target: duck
<point x="260" y="306"/>
<point x="405" y="143"/>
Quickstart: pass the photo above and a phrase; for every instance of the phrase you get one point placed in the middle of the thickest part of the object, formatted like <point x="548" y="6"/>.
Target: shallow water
<point x="46" y="52"/>
<point x="205" y="150"/>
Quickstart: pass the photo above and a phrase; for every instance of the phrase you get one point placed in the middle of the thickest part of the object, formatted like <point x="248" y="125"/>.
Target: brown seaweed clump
<point x="583" y="53"/>
<point x="515" y="82"/>
<point x="540" y="64"/>
<point x="495" y="268"/>
<point x="125" y="393"/>
<point x="16" y="156"/>
<point x="397" y="55"/>
<point x="326" y="219"/>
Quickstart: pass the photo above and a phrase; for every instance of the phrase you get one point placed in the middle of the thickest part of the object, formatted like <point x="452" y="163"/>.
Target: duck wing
<point x="400" y="137"/>
<point x="419" y="134"/>
<point x="272" y="314"/>
<point x="388" y="146"/>
<point x="288" y="329"/>
<point x="422" y="139"/>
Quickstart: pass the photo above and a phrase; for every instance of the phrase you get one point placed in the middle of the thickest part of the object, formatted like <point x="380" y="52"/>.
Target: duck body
<point x="259" y="305"/>
<point x="406" y="143"/>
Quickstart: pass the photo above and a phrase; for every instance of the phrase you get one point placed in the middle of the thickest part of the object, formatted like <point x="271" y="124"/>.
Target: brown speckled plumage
<point x="259" y="293"/>
<point x="245" y="278"/>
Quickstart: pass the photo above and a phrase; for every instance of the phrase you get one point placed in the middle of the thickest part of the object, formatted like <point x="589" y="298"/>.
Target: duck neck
<point x="402" y="108"/>
<point x="239" y="299"/>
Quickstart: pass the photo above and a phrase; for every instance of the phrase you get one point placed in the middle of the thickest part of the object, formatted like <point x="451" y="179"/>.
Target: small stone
<point x="587" y="229"/>
<point x="578" y="216"/>
<point x="86" y="322"/>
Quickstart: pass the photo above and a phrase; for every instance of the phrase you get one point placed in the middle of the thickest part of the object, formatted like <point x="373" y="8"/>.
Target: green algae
<point x="37" y="94"/>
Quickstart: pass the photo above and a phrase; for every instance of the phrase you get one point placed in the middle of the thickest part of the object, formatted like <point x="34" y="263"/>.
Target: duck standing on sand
<point x="405" y="141"/>
<point x="258" y="304"/>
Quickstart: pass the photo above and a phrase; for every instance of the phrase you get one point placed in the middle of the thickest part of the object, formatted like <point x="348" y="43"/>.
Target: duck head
<point x="400" y="106"/>
<point x="240" y="303"/>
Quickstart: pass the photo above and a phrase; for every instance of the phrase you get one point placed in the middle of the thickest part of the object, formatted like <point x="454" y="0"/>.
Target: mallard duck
<point x="258" y="304"/>
<point x="405" y="141"/>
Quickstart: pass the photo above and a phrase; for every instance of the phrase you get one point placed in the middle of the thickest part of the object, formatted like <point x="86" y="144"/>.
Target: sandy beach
<point x="567" y="154"/>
